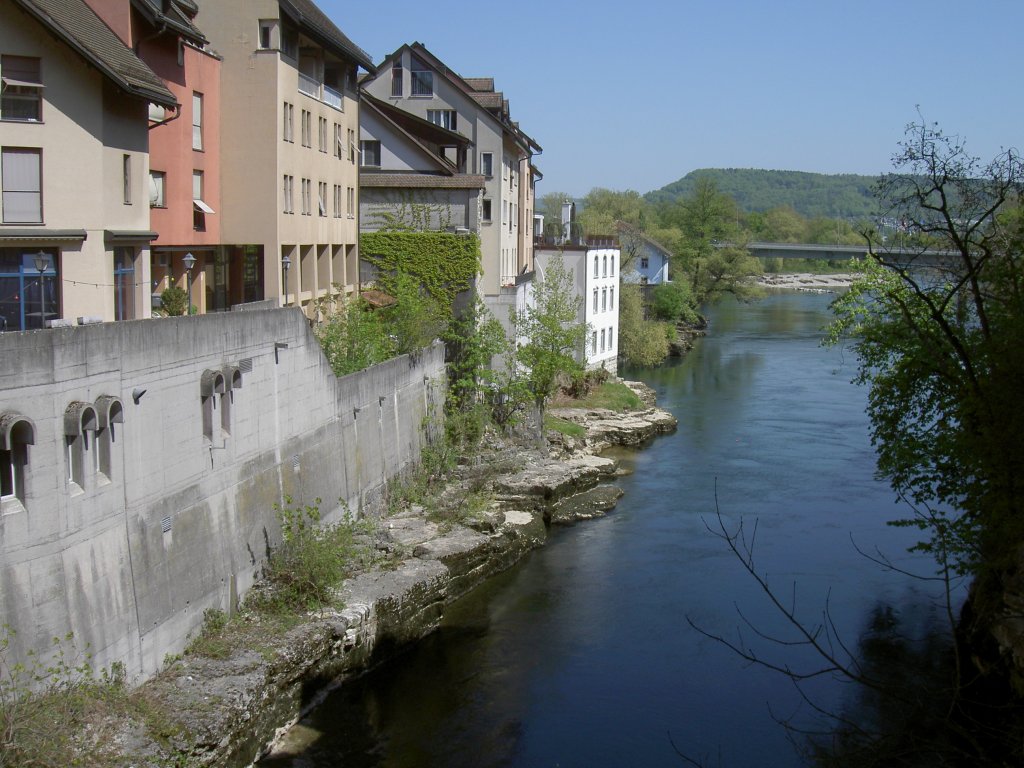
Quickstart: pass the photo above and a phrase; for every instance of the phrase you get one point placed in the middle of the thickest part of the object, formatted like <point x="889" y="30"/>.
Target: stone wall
<point x="154" y="453"/>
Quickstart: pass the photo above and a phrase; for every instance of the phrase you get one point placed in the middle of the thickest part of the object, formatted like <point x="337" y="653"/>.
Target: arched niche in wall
<point x="17" y="432"/>
<point x="109" y="412"/>
<point x="79" y="429"/>
<point x="211" y="384"/>
<point x="232" y="376"/>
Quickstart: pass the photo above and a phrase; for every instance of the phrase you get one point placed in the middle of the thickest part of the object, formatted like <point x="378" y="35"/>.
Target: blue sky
<point x="635" y="94"/>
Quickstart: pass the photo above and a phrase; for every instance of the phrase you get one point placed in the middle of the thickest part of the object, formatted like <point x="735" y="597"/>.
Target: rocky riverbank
<point x="805" y="281"/>
<point x="226" y="711"/>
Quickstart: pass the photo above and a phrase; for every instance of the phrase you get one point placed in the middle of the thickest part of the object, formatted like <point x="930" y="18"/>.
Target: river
<point x="584" y="653"/>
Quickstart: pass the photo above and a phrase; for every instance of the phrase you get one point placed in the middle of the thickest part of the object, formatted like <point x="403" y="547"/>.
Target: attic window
<point x="422" y="78"/>
<point x="21" y="96"/>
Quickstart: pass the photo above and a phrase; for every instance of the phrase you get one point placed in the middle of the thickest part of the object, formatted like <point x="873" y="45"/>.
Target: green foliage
<point x="211" y="641"/>
<point x="354" y="337"/>
<point x="943" y="350"/>
<point x="612" y="395"/>
<point x="549" y="333"/>
<point x="444" y="264"/>
<point x="415" y="319"/>
<point x="642" y="342"/>
<point x="311" y="561"/>
<point x="564" y="427"/>
<point x="174" y="300"/>
<point x="673" y="302"/>
<point x="842" y="196"/>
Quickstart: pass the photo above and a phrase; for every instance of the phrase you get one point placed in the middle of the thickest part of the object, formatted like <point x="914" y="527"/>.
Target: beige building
<point x="74" y="229"/>
<point x="289" y="131"/>
<point x="414" y="80"/>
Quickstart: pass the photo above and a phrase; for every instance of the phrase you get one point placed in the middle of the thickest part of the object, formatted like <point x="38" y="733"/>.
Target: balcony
<point x="309" y="85"/>
<point x="332" y="97"/>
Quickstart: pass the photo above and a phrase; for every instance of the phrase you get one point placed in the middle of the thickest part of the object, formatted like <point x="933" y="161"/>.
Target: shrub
<point x="174" y="300"/>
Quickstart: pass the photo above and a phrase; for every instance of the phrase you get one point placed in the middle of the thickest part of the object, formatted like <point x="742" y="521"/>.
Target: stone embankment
<point x="230" y="709"/>
<point x="804" y="281"/>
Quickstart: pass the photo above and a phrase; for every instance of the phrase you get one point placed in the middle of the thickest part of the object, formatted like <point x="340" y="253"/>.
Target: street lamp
<point x="286" y="262"/>
<point x="42" y="261"/>
<point x="190" y="261"/>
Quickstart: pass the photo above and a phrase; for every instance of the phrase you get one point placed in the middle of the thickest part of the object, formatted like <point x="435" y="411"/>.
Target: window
<point x="16" y="434"/>
<point x="337" y="201"/>
<point x="604" y="299"/>
<point x="307" y="197"/>
<point x="351" y="145"/>
<point x="350" y="202"/>
<point x="602" y="339"/>
<point x="124" y="283"/>
<point x="595" y="299"/>
<point x="396" y="77"/>
<point x="487" y="164"/>
<point x="644" y="262"/>
<point x="21" y="179"/>
<point x="422" y="78"/>
<point x="288" y="128"/>
<point x="157" y="189"/>
<point x="611" y="298"/>
<point x="27" y="298"/>
<point x="290" y="42"/>
<point x="126" y="175"/>
<point x="288" y="194"/>
<point x="369" y="153"/>
<point x="593" y="344"/>
<point x="595" y="265"/>
<point x="307" y="128"/>
<point x="197" y="121"/>
<point x="446" y="118"/>
<point x="613" y="266"/>
<point x="22" y="86"/>
<point x="610" y="338"/>
<point x="268" y="30"/>
<point x="322" y="134"/>
<point x="339" y="148"/>
<point x="322" y="197"/>
<point x="604" y="268"/>
<point x="199" y="206"/>
<point x="485" y="212"/>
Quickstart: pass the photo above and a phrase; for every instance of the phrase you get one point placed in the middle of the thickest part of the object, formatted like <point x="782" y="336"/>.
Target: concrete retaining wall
<point x="170" y="510"/>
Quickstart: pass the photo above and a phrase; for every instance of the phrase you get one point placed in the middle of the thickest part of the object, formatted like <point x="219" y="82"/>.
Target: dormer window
<point x="21" y="89"/>
<point x="422" y="78"/>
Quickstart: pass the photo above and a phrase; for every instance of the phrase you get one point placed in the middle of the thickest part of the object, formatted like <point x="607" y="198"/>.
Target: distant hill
<point x="843" y="196"/>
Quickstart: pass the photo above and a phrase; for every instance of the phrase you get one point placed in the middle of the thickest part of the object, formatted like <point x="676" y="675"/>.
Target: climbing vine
<point x="444" y="263"/>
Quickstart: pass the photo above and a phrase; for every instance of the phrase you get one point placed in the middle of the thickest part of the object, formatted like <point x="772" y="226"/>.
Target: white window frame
<point x="157" y="189"/>
<point x="197" y="121"/>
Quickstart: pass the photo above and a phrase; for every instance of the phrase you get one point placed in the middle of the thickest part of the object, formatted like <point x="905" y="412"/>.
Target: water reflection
<point x="582" y="656"/>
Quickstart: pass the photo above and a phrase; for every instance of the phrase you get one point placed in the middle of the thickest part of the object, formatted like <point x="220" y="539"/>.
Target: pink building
<point x="184" y="155"/>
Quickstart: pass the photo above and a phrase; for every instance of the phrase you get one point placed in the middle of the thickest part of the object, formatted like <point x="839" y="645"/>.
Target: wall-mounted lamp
<point x="137" y="394"/>
<point x="279" y="345"/>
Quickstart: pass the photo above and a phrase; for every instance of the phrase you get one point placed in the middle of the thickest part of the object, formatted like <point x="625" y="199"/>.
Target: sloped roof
<point x="178" y="16"/>
<point x="414" y="124"/>
<point x="475" y="88"/>
<point x="368" y="178"/>
<point x="75" y="24"/>
<point x="317" y="25"/>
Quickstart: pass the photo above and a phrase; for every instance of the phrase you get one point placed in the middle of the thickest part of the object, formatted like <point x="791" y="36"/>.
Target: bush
<point x="174" y="300"/>
<point x="673" y="302"/>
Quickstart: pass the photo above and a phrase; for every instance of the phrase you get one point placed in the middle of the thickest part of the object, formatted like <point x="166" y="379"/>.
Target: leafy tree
<point x="548" y="333"/>
<point x="354" y="337"/>
<point x="550" y="205"/>
<point x="673" y="302"/>
<point x="942" y="349"/>
<point x="642" y="342"/>
<point x="602" y="209"/>
<point x="415" y="319"/>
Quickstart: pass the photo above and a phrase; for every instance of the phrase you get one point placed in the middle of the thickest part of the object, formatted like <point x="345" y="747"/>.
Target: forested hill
<point x="843" y="196"/>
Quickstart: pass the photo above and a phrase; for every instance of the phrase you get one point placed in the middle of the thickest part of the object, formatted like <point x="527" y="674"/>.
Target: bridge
<point x="846" y="252"/>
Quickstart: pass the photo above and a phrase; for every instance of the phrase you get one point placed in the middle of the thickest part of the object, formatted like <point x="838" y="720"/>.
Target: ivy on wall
<point x="444" y="263"/>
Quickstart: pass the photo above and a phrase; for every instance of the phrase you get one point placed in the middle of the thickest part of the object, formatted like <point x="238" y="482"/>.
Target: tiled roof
<point x="312" y="20"/>
<point x="488" y="100"/>
<point x="420" y="180"/>
<point x="74" y="23"/>
<point x="480" y="83"/>
<point x="178" y="16"/>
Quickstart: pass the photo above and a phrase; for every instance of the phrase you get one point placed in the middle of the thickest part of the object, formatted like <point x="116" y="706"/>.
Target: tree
<point x="642" y="342"/>
<point x="673" y="302"/>
<point x="942" y="348"/>
<point x="603" y="209"/>
<point x="549" y="335"/>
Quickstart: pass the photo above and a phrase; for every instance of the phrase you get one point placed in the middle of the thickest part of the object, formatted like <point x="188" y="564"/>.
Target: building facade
<point x="75" y="227"/>
<point x="289" y="121"/>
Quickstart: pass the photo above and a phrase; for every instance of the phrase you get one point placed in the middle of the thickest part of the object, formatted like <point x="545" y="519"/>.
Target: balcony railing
<point x="332" y="97"/>
<point x="309" y="86"/>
